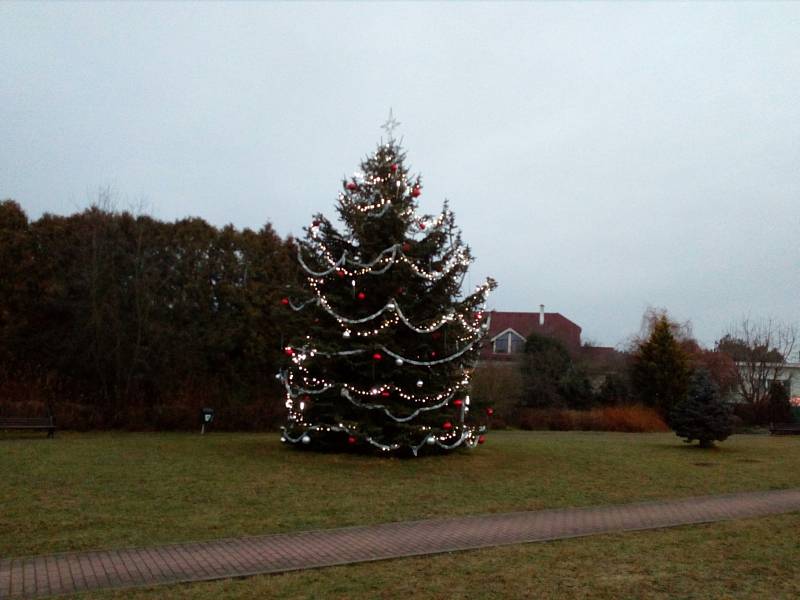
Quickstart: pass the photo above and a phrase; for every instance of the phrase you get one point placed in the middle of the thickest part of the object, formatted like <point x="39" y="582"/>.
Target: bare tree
<point x="760" y="349"/>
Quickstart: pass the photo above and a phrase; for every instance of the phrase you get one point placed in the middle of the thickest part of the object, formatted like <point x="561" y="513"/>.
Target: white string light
<point x="373" y="196"/>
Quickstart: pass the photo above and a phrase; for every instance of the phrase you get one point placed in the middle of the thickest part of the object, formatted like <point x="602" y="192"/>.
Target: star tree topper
<point x="390" y="125"/>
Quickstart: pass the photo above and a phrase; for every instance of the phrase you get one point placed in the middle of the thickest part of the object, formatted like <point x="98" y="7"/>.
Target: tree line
<point x="655" y="370"/>
<point x="110" y="319"/>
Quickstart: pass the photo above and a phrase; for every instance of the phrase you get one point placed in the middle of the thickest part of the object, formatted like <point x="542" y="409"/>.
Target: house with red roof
<point x="509" y="330"/>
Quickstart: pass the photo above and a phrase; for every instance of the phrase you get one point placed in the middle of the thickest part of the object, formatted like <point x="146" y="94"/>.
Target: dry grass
<point x="101" y="490"/>
<point x="622" y="418"/>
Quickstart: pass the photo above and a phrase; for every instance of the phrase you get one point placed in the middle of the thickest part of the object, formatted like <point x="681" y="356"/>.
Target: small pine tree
<point x="780" y="406"/>
<point x="702" y="415"/>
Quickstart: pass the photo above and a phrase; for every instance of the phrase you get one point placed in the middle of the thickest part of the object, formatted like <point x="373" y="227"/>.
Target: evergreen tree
<point x="551" y="379"/>
<point x="660" y="369"/>
<point x="387" y="353"/>
<point x="702" y="415"/>
<point x="780" y="406"/>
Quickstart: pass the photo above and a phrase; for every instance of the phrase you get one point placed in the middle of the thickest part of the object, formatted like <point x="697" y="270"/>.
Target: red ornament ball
<point x="433" y="353"/>
<point x="285" y="301"/>
<point x="406" y="247"/>
<point x="340" y="272"/>
<point x="361" y="295"/>
<point x="458" y="403"/>
<point x="421" y="225"/>
<point x="352" y="186"/>
<point x="315" y="223"/>
<point x="385" y="393"/>
<point x="288" y="351"/>
<point x="416" y="191"/>
<point x="394" y="168"/>
<point x="481" y="439"/>
<point x="377" y="356"/>
<point x="352" y="440"/>
<point x="490" y="411"/>
<point x="447" y="426"/>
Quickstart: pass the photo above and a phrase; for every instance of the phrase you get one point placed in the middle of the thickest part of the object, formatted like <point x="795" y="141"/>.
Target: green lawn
<point x="82" y="491"/>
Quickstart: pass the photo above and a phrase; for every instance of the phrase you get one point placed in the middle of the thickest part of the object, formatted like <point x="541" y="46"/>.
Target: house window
<point x="509" y="343"/>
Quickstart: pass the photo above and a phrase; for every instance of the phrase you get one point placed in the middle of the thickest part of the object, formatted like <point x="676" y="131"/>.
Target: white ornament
<point x="306" y="439"/>
<point x="431" y="440"/>
<point x="390" y="306"/>
<point x="420" y="383"/>
<point x="346" y="334"/>
<point x="283" y="439"/>
<point x="399" y="362"/>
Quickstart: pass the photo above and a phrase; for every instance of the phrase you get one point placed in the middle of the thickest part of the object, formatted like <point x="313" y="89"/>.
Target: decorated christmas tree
<point x="389" y="341"/>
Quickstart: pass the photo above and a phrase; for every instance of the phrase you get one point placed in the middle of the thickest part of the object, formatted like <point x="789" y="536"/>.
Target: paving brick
<point x="67" y="573"/>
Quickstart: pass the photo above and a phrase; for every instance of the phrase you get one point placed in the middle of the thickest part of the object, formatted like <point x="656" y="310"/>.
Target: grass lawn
<point x="85" y="491"/>
<point x="754" y="559"/>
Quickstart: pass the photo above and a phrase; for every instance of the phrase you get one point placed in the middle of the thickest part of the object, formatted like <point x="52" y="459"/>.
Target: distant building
<point x="509" y="330"/>
<point x="788" y="374"/>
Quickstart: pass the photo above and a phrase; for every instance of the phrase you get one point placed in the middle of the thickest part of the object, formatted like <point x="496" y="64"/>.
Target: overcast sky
<point x="600" y="158"/>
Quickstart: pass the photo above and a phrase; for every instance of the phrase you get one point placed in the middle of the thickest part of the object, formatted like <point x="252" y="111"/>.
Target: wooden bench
<point x="29" y="423"/>
<point x="784" y="428"/>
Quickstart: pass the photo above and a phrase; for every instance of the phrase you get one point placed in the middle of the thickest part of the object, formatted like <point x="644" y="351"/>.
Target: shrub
<point x="780" y="406"/>
<point x="702" y="415"/>
<point x="624" y="418"/>
<point x="550" y="378"/>
<point x="499" y="385"/>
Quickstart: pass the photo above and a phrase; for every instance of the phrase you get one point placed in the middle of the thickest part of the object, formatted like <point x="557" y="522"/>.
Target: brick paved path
<point x="39" y="576"/>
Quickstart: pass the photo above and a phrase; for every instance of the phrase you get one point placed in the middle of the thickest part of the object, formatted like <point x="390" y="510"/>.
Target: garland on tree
<point x="389" y="343"/>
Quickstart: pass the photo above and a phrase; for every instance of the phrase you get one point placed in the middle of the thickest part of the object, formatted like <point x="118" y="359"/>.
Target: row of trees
<point x="745" y="364"/>
<point x="655" y="370"/>
<point x="112" y="319"/>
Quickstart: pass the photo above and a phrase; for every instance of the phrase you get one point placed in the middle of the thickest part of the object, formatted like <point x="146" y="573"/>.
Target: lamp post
<point x="206" y="416"/>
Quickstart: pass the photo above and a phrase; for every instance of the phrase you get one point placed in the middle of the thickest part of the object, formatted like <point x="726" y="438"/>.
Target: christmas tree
<point x="389" y="341"/>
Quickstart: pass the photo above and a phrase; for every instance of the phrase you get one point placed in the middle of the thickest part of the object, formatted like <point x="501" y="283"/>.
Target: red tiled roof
<point x="525" y="323"/>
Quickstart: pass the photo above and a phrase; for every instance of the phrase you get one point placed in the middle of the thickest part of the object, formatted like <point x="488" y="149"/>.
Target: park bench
<point x="29" y="423"/>
<point x="784" y="428"/>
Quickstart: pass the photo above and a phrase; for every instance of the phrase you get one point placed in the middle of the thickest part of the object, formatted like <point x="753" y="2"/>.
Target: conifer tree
<point x="660" y="369"/>
<point x="389" y="343"/>
<point x="702" y="415"/>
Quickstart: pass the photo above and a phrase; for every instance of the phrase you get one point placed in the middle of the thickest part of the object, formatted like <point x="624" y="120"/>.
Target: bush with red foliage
<point x="632" y="418"/>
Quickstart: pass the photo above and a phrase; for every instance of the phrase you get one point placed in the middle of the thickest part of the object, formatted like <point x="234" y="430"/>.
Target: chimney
<point x="541" y="315"/>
